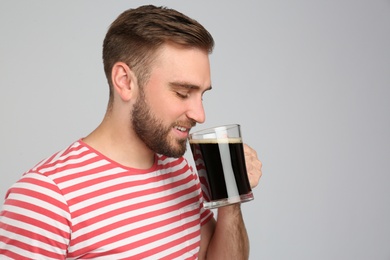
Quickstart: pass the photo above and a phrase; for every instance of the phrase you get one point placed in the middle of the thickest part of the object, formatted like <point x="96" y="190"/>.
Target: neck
<point x="120" y="144"/>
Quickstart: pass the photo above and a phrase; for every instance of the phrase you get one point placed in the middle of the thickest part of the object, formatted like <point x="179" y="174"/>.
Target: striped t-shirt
<point x="79" y="204"/>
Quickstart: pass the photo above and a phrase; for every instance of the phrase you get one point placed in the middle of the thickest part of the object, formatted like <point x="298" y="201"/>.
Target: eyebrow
<point x="187" y="85"/>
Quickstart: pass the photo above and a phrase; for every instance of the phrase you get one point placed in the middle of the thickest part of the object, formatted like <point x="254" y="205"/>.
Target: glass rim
<point x="209" y="129"/>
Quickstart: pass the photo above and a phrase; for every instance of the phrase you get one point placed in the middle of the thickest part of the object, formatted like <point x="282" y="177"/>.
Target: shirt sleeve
<point x="35" y="221"/>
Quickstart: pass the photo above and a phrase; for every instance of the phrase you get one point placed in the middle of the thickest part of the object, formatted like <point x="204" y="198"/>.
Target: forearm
<point x="230" y="239"/>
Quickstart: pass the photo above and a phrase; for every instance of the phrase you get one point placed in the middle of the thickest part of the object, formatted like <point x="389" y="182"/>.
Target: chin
<point x="178" y="152"/>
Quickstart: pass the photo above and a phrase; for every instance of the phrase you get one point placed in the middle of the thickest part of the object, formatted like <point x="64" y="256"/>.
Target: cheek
<point x="165" y="107"/>
<point x="169" y="109"/>
<point x="163" y="103"/>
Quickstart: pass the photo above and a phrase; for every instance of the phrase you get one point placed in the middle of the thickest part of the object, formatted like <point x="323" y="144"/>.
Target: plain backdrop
<point x="307" y="80"/>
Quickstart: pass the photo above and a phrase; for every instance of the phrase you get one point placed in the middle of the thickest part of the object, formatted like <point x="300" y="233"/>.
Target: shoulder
<point x="67" y="169"/>
<point x="54" y="163"/>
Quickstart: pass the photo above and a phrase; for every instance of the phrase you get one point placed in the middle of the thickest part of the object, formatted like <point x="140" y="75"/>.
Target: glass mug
<point x="219" y="158"/>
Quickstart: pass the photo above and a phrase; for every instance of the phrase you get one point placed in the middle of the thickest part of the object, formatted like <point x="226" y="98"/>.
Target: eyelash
<point x="182" y="96"/>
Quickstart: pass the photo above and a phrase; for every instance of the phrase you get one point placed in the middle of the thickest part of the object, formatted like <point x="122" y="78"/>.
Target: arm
<point x="226" y="238"/>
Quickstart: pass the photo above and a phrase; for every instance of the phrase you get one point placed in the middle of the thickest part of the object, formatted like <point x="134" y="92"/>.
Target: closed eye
<point x="182" y="95"/>
<point x="183" y="90"/>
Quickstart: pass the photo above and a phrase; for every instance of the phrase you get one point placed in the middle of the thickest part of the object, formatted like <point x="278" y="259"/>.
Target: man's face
<point x="170" y="103"/>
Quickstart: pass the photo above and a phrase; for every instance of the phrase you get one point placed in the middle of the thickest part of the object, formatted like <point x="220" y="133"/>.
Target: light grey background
<point x="307" y="80"/>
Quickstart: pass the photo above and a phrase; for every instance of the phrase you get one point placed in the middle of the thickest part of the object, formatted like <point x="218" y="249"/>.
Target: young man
<point x="125" y="191"/>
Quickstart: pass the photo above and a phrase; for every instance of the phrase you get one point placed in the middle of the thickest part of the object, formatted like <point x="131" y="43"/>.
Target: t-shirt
<point x="79" y="204"/>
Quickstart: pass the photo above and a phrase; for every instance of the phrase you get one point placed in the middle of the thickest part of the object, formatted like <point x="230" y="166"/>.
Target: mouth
<point x="182" y="129"/>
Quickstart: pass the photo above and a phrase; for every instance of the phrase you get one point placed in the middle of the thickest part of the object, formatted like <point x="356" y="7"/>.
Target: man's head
<point x="136" y="35"/>
<point x="157" y="65"/>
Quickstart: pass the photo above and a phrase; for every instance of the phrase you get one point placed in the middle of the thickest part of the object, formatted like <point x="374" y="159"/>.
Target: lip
<point x="182" y="134"/>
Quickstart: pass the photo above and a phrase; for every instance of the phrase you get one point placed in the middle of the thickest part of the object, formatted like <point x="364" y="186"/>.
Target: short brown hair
<point x="136" y="35"/>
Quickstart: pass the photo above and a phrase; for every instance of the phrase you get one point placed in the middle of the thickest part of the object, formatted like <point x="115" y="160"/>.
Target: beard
<point x="153" y="132"/>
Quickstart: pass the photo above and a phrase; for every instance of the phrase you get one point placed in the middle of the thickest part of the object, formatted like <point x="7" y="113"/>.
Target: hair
<point x="136" y="35"/>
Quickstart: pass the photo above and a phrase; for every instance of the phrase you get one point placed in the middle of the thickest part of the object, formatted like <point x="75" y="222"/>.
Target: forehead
<point x="176" y="63"/>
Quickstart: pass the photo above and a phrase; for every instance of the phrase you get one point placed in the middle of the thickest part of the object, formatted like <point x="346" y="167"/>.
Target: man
<point x="125" y="191"/>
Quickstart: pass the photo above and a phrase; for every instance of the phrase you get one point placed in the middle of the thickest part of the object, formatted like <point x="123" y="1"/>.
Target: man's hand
<point x="253" y="165"/>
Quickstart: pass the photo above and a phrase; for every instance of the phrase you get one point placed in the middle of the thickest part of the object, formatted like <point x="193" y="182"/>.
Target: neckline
<point x="135" y="170"/>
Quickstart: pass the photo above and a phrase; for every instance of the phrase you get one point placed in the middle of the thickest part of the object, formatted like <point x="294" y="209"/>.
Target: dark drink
<point x="222" y="170"/>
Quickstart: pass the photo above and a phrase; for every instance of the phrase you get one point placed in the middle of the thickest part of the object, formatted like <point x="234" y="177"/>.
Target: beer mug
<point x="219" y="158"/>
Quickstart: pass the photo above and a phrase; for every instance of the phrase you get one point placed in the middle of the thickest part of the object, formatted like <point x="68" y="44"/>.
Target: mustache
<point x="187" y="124"/>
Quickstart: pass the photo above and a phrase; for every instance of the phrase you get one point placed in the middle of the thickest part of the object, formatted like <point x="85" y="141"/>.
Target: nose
<point x="196" y="112"/>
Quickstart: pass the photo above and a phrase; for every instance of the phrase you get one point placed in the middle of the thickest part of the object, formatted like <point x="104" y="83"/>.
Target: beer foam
<point x="232" y="140"/>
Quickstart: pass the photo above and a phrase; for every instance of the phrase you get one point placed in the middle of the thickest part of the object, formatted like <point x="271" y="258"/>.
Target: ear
<point x="123" y="80"/>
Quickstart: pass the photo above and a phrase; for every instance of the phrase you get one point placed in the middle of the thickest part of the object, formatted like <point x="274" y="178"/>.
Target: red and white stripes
<point x="79" y="204"/>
